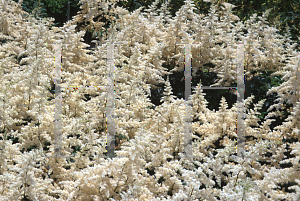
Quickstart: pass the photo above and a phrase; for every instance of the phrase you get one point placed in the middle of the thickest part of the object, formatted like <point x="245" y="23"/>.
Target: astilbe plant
<point x="150" y="162"/>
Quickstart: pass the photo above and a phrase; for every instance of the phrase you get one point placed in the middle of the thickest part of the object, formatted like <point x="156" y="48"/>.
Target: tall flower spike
<point x="168" y="97"/>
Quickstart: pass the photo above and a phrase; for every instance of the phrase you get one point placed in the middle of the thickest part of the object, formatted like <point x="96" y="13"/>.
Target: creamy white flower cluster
<point x="150" y="161"/>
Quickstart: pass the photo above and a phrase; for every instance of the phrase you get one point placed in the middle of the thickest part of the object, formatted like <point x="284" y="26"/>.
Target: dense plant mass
<point x="282" y="13"/>
<point x="150" y="162"/>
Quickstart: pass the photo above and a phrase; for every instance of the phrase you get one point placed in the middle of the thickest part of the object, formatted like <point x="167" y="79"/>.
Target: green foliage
<point x="56" y="6"/>
<point x="121" y="137"/>
<point x="31" y="148"/>
<point x="175" y="6"/>
<point x="259" y="86"/>
<point x="75" y="149"/>
<point x="35" y="7"/>
<point x="282" y="13"/>
<point x="132" y="5"/>
<point x="58" y="9"/>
